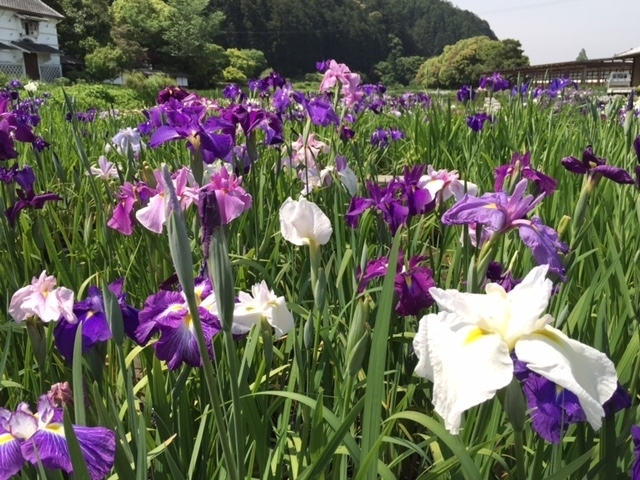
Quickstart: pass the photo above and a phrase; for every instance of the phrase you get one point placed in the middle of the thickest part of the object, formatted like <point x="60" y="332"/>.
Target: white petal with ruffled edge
<point x="469" y="366"/>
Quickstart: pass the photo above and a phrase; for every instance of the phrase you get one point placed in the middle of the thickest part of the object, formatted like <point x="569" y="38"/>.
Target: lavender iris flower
<point x="595" y="168"/>
<point x="499" y="213"/>
<point x="521" y="163"/>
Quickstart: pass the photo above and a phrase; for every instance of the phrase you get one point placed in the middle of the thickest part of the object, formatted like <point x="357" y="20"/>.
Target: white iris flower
<point x="465" y="349"/>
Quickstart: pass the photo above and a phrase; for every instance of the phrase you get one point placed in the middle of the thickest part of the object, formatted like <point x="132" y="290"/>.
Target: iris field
<point x="343" y="284"/>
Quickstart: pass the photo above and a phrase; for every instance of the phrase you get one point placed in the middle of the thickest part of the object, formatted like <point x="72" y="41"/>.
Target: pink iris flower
<point x="43" y="300"/>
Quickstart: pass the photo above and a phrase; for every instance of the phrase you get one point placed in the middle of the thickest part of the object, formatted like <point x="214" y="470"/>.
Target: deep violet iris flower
<point x="384" y="200"/>
<point x="167" y="313"/>
<point x="498" y="213"/>
<point x="411" y="284"/>
<point x="466" y="93"/>
<point x="39" y="437"/>
<point x="27" y="198"/>
<point x="494" y="82"/>
<point x="476" y="122"/>
<point x="90" y="312"/>
<point x="554" y="408"/>
<point x="521" y="164"/>
<point x="595" y="168"/>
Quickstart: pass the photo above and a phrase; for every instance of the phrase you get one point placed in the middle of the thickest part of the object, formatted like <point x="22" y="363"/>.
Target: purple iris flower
<point x="167" y="313"/>
<point x="466" y="93"/>
<point x="521" y="164"/>
<point x="282" y="98"/>
<point x="187" y="123"/>
<point x="520" y="90"/>
<point x="635" y="436"/>
<point x="494" y="82"/>
<point x="7" y="149"/>
<point x="384" y="200"/>
<point x="382" y="137"/>
<point x="554" y="408"/>
<point x="322" y="66"/>
<point x="346" y="133"/>
<point x="321" y="112"/>
<point x="498" y="213"/>
<point x="412" y="287"/>
<point x="171" y="92"/>
<point x="15" y="84"/>
<point x="636" y="147"/>
<point x="250" y="120"/>
<point x="559" y="84"/>
<point x="595" y="168"/>
<point x="419" y="200"/>
<point x="39" y="438"/>
<point x="411" y="283"/>
<point x="90" y="312"/>
<point x="476" y="121"/>
<point x="505" y="280"/>
<point x="27" y="197"/>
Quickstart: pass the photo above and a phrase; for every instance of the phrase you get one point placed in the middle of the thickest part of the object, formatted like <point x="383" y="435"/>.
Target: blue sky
<point x="555" y="31"/>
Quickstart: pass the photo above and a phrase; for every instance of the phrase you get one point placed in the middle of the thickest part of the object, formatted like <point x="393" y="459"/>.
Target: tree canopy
<point x="379" y="38"/>
<point x="464" y="62"/>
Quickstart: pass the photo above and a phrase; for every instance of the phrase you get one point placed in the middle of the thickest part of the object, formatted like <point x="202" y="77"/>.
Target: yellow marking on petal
<point x="475" y="334"/>
<point x="491" y="206"/>
<point x="6" y="438"/>
<point x="56" y="428"/>
<point x="550" y="336"/>
<point x="175" y="308"/>
<point x="408" y="280"/>
<point x="188" y="321"/>
<point x="90" y="314"/>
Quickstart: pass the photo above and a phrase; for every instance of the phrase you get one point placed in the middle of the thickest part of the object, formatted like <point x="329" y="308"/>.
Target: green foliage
<point x="464" y="62"/>
<point x="248" y="62"/>
<point x="232" y="74"/>
<point x="102" y="97"/>
<point x="147" y="87"/>
<point x="105" y="63"/>
<point x="398" y="69"/>
<point x="296" y="33"/>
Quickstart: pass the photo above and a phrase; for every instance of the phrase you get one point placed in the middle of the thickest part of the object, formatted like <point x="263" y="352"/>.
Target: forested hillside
<point x="193" y="35"/>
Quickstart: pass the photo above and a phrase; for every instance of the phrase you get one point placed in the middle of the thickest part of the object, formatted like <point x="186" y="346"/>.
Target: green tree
<point x="465" y="61"/>
<point x="105" y="63"/>
<point x="582" y="56"/>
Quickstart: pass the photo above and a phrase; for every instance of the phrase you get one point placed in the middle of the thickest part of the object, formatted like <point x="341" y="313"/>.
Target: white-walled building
<point x="29" y="40"/>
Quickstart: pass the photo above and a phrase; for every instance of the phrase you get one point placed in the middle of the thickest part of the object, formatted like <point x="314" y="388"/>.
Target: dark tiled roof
<point x="30" y="6"/>
<point x="35" y="47"/>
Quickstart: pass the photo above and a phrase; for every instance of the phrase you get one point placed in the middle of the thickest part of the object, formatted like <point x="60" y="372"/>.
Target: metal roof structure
<point x="34" y="7"/>
<point x="629" y="53"/>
